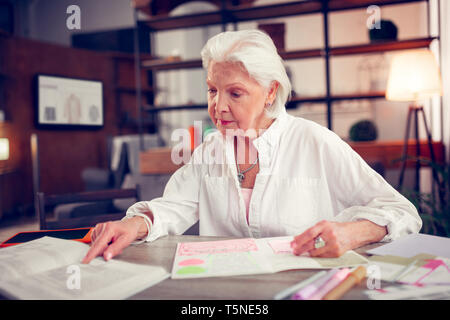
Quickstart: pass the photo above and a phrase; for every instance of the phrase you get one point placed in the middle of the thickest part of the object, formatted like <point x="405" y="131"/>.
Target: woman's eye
<point x="235" y="94"/>
<point x="211" y="91"/>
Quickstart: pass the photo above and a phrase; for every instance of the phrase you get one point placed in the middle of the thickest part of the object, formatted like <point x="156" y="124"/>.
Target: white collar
<point x="272" y="134"/>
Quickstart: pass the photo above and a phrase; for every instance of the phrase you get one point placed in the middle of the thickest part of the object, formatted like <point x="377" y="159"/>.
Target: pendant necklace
<point x="240" y="174"/>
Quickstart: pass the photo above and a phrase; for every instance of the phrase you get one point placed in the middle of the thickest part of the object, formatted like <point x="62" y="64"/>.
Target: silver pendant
<point x="240" y="177"/>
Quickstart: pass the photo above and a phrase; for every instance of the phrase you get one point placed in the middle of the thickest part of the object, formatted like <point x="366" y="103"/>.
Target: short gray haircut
<point x="257" y="53"/>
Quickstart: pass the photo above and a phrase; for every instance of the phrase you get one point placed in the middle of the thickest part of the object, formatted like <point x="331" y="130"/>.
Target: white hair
<point x="256" y="52"/>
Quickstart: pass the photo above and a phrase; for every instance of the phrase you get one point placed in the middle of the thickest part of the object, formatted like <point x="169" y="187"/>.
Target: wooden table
<point x="247" y="287"/>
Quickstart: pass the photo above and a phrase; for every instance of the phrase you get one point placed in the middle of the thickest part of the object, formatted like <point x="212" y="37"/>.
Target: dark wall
<point x="63" y="153"/>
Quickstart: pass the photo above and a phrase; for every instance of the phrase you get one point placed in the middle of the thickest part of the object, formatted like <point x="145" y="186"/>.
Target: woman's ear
<point x="272" y="91"/>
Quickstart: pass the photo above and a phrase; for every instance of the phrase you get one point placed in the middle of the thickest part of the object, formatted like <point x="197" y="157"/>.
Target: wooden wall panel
<point x="63" y="153"/>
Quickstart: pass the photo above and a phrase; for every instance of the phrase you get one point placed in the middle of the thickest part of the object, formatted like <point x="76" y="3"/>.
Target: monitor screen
<point x="69" y="102"/>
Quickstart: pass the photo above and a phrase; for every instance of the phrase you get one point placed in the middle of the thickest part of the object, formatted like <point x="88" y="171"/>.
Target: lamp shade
<point x="4" y="149"/>
<point x="414" y="75"/>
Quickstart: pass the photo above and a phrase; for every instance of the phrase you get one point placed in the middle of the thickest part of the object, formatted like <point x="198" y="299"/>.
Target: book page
<point x="50" y="268"/>
<point x="39" y="255"/>
<point x="100" y="279"/>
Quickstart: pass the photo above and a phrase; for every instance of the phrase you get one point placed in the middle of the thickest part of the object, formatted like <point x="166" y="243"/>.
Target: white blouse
<point x="307" y="174"/>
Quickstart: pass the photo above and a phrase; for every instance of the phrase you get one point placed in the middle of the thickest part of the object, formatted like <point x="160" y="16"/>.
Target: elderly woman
<point x="265" y="173"/>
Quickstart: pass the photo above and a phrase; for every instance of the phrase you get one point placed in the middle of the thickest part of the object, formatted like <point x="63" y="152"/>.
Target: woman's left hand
<point x="338" y="237"/>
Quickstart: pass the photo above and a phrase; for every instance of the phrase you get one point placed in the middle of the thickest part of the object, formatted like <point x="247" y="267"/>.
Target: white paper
<point x="47" y="265"/>
<point x="406" y="292"/>
<point x="414" y="244"/>
<point x="248" y="256"/>
<point x="387" y="271"/>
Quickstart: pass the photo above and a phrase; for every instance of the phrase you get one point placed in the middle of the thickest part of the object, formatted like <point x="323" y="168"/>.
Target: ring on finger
<point x="319" y="242"/>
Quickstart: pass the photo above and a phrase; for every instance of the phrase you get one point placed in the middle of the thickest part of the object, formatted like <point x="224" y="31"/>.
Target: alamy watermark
<point x="74" y="279"/>
<point x="213" y="153"/>
<point x="373" y="277"/>
<point x="73" y="21"/>
<point x="374" y="20"/>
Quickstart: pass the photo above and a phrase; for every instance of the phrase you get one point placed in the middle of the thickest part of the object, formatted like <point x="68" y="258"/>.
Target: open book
<point x="249" y="256"/>
<point x="50" y="268"/>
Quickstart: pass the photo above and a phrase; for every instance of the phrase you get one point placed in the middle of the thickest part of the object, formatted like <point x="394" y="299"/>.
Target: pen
<point x="291" y="290"/>
<point x="327" y="287"/>
<point x="309" y="290"/>
<point x="352" y="279"/>
<point x="402" y="272"/>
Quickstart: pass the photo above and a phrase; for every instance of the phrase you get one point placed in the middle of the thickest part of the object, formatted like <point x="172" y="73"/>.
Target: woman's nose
<point x="221" y="104"/>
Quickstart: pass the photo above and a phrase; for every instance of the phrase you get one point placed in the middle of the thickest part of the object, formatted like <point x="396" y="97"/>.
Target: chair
<point x="44" y="202"/>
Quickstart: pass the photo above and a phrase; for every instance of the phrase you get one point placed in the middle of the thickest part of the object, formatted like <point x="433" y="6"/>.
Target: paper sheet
<point x="219" y="258"/>
<point x="248" y="256"/>
<point x="414" y="244"/>
<point x="407" y="292"/>
<point x="39" y="269"/>
<point x="428" y="269"/>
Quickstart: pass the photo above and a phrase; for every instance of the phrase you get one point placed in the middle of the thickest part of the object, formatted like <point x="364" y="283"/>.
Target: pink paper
<point x="432" y="265"/>
<point x="211" y="247"/>
<point x="281" y="246"/>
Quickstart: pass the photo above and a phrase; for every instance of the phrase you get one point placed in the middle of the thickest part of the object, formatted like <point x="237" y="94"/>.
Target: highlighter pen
<point x="310" y="289"/>
<point x="327" y="287"/>
<point x="291" y="290"/>
<point x="352" y="279"/>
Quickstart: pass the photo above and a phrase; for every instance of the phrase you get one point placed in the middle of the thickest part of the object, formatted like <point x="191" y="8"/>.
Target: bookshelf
<point x="229" y="14"/>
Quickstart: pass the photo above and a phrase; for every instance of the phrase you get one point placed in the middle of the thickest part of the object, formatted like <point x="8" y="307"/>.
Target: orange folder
<point x="77" y="234"/>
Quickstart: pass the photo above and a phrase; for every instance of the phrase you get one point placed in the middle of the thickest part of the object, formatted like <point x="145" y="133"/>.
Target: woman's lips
<point x="225" y="122"/>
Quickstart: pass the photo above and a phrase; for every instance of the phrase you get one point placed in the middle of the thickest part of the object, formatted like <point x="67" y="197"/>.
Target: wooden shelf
<point x="338" y="5"/>
<point x="382" y="46"/>
<point x="291" y="104"/>
<point x="338" y="97"/>
<point x="234" y="14"/>
<point x="310" y="53"/>
<point x="151" y="109"/>
<point x="359" y="96"/>
<point x="389" y="152"/>
<point x="186" y="64"/>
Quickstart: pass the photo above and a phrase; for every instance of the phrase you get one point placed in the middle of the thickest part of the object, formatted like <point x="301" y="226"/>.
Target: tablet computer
<point x="78" y="234"/>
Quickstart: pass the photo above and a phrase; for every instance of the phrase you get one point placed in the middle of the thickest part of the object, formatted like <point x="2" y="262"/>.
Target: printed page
<point x="278" y="252"/>
<point x="100" y="279"/>
<point x="39" y="255"/>
<point x="219" y="258"/>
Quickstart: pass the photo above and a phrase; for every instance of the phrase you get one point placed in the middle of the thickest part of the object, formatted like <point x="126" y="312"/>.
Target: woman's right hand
<point x="110" y="238"/>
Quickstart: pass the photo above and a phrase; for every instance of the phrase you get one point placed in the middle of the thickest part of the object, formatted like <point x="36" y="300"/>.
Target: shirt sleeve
<point x="177" y="209"/>
<point x="361" y="193"/>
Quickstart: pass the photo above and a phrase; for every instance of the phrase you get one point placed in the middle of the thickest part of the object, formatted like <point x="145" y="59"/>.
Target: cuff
<point x="147" y="221"/>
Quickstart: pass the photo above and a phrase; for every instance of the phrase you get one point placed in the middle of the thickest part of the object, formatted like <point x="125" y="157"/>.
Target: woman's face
<point x="235" y="100"/>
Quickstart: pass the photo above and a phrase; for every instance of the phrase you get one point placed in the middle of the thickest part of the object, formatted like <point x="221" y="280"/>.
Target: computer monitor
<point x="69" y="102"/>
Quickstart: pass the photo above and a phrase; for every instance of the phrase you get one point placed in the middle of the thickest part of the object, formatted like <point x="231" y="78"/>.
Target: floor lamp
<point x="414" y="76"/>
